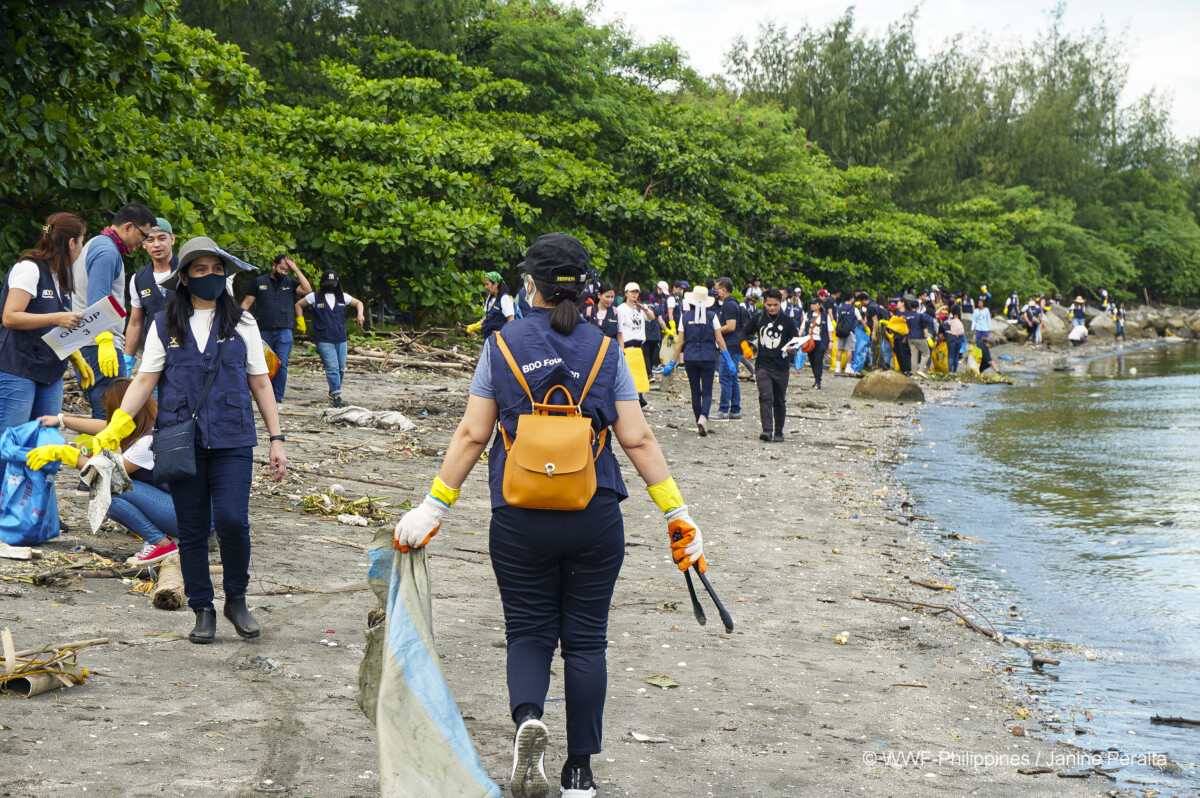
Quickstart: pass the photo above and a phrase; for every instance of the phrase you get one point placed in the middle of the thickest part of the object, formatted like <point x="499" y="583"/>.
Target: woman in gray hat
<point x="202" y="331"/>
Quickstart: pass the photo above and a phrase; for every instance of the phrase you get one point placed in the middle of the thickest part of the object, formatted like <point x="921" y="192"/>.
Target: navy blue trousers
<point x="219" y="495"/>
<point x="556" y="572"/>
<point x="700" y="378"/>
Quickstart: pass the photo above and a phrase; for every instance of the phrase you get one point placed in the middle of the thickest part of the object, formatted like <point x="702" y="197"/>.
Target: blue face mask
<point x="208" y="287"/>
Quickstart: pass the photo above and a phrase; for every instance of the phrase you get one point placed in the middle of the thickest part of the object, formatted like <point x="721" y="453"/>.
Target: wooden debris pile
<point x="39" y="670"/>
<point x="427" y="349"/>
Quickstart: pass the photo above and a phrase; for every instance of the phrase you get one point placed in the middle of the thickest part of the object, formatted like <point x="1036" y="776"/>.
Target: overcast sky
<point x="1164" y="35"/>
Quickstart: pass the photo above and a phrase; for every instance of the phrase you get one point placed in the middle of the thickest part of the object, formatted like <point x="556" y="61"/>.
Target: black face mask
<point x="329" y="287"/>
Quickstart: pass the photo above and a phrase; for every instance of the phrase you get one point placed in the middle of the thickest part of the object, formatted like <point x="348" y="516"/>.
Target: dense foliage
<point x="411" y="145"/>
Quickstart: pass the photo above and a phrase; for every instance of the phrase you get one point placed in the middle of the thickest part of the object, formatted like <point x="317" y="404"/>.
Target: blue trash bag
<point x="28" y="504"/>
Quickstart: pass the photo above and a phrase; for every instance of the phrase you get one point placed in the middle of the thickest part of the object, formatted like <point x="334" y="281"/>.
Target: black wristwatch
<point x="279" y="438"/>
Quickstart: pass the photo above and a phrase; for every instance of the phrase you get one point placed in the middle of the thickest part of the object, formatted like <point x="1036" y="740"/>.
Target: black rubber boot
<point x="206" y="626"/>
<point x="238" y="615"/>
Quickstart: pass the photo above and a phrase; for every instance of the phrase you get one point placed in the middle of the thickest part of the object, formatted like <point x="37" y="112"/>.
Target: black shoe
<point x="577" y="782"/>
<point x="778" y="437"/>
<point x="238" y="615"/>
<point x="206" y="626"/>
<point x="766" y="436"/>
<point x="337" y="400"/>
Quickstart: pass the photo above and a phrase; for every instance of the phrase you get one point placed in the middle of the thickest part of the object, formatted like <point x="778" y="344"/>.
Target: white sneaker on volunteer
<point x="528" y="778"/>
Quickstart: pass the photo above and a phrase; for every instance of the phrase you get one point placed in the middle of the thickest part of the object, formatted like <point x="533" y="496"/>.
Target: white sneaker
<point x="528" y="778"/>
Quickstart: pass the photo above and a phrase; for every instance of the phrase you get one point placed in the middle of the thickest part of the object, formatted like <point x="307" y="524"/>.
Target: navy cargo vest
<point x="329" y="321"/>
<point x="226" y="421"/>
<point x="23" y="353"/>
<point x="153" y="297"/>
<point x="275" y="302"/>
<point x="493" y="315"/>
<point x="699" y="340"/>
<point x="608" y="325"/>
<point x="547" y="359"/>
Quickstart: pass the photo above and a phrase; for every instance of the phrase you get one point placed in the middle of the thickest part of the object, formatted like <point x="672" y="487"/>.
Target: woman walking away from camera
<point x="36" y="298"/>
<point x="329" y="329"/>
<point x="698" y="345"/>
<point x="146" y="510"/>
<point x="555" y="568"/>
<point x="204" y="338"/>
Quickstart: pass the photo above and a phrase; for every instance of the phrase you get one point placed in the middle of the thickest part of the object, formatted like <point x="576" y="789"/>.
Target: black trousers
<point x="903" y="356"/>
<point x="651" y="350"/>
<point x="556" y="572"/>
<point x="816" y="359"/>
<point x="772" y="397"/>
<point x="700" y="378"/>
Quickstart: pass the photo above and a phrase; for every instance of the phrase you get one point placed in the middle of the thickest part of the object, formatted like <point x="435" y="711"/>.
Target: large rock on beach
<point x="888" y="386"/>
<point x="1090" y="312"/>
<point x="1001" y="328"/>
<point x="1102" y="323"/>
<point x="1055" y="332"/>
<point x="1059" y="312"/>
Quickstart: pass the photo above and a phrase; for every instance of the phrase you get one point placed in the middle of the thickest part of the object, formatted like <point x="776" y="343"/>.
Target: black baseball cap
<point x="558" y="259"/>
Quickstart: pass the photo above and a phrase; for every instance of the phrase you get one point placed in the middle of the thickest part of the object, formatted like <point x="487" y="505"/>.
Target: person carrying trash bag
<point x="205" y="356"/>
<point x="697" y="345"/>
<point x="556" y="537"/>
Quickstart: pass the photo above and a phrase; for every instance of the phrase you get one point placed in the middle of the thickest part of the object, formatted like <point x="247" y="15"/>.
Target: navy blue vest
<point x="608" y="325"/>
<point x="329" y="322"/>
<point x="275" y="302"/>
<point x="153" y="297"/>
<point x="23" y="353"/>
<point x="227" y="420"/>
<point x="699" y="339"/>
<point x="547" y="359"/>
<point x="816" y="324"/>
<point x="493" y="315"/>
<point x="653" y="331"/>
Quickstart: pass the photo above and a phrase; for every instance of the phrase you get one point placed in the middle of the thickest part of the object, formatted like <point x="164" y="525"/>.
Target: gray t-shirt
<point x="481" y="383"/>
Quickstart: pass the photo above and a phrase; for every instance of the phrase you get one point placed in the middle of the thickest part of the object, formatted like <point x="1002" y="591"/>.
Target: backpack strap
<point x="512" y="364"/>
<point x="595" y="369"/>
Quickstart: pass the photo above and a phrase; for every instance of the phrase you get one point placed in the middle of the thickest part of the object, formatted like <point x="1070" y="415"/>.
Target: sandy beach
<point x="910" y="704"/>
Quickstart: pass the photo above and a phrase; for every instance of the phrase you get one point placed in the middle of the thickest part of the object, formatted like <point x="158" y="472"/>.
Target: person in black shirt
<point x="777" y="339"/>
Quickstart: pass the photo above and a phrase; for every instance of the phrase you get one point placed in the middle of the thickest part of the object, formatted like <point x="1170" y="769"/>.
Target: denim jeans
<point x="954" y="345"/>
<point x="96" y="392"/>
<point x="980" y="337"/>
<point x="280" y="342"/>
<point x="731" y="391"/>
<point x="218" y="496"/>
<point x="333" y="358"/>
<point x="146" y="511"/>
<point x="23" y="400"/>
<point x="885" y="353"/>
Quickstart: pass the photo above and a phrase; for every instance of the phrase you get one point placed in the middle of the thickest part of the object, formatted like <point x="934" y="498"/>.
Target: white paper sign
<point x="104" y="316"/>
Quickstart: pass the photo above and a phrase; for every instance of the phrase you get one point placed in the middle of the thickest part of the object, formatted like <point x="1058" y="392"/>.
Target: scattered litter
<point x="19" y="552"/>
<point x="337" y="490"/>
<point x="880" y="494"/>
<point x="331" y="505"/>
<point x="842" y="639"/>
<point x="362" y="417"/>
<point x="665" y="682"/>
<point x="273" y="666"/>
<point x="645" y="738"/>
<point x="40" y="670"/>
<point x="352" y="520"/>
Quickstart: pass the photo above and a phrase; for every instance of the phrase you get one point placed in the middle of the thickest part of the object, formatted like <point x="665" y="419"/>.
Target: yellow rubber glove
<point x="110" y="365"/>
<point x="666" y="495"/>
<point x="930" y="342"/>
<point x="117" y="430"/>
<point x="476" y="327"/>
<point x="48" y="454"/>
<point x="671" y="329"/>
<point x="87" y="377"/>
<point x="301" y="326"/>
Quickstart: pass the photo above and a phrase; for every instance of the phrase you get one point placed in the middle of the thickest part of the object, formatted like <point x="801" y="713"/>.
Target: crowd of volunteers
<point x="564" y="372"/>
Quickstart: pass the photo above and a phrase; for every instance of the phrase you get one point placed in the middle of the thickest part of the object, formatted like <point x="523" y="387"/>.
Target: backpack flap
<point x="552" y="445"/>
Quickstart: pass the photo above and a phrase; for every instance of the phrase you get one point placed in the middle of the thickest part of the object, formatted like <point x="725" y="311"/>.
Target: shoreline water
<point x="1053" y="709"/>
<point x="908" y="705"/>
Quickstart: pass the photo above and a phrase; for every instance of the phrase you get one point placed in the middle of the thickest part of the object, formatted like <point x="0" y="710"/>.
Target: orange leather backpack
<point x="551" y="465"/>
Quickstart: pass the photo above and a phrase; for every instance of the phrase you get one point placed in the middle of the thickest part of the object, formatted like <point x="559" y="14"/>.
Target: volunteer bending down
<point x="555" y="569"/>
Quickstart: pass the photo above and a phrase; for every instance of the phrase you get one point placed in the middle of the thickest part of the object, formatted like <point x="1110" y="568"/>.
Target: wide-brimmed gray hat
<point x="203" y="245"/>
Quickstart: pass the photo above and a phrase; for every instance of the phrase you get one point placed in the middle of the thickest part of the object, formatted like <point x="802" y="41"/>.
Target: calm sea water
<point x="1086" y="482"/>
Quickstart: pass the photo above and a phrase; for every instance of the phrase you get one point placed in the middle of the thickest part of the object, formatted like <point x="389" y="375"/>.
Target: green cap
<point x="161" y="225"/>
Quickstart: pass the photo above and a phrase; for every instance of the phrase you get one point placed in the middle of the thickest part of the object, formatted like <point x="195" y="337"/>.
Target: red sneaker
<point x="154" y="552"/>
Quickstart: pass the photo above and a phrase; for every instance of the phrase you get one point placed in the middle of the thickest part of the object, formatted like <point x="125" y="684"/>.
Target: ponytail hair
<point x="565" y="317"/>
<point x="53" y="250"/>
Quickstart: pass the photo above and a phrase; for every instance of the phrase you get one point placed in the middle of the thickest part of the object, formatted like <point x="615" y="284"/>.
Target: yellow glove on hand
<point x="666" y="495"/>
<point x="87" y="377"/>
<point x="110" y="366"/>
<point x="301" y="326"/>
<point x="117" y="430"/>
<point x="930" y="342"/>
<point x="474" y="328"/>
<point x="47" y="454"/>
<point x="671" y="329"/>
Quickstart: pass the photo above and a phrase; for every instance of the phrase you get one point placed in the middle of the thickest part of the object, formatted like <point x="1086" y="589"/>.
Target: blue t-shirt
<point x="481" y="383"/>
